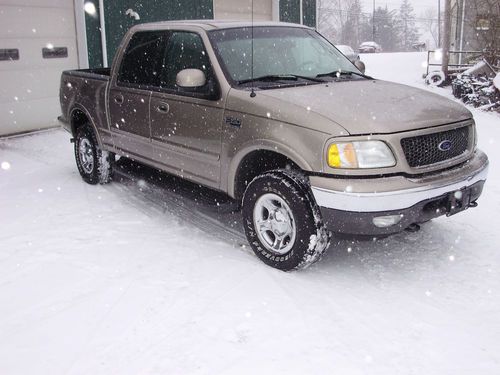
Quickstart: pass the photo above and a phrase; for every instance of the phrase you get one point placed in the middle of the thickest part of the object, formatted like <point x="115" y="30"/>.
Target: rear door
<point x="130" y="93"/>
<point x="186" y="126"/>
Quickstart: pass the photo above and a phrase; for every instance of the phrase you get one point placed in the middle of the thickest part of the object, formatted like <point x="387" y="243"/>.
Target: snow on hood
<point x="370" y="106"/>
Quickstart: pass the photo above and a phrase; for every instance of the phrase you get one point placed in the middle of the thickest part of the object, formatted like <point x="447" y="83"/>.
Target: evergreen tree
<point x="351" y="32"/>
<point x="385" y="30"/>
<point x="406" y="29"/>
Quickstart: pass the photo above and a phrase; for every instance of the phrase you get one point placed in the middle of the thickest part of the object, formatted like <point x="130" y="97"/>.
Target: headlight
<point x="363" y="154"/>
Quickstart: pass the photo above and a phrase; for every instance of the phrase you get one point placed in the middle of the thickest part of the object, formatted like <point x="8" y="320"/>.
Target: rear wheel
<point x="282" y="221"/>
<point x="94" y="164"/>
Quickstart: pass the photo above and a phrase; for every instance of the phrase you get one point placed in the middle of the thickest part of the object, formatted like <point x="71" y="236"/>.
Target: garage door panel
<point x="26" y="116"/>
<point x="30" y="53"/>
<point x="36" y="84"/>
<point x="40" y="3"/>
<point x="18" y="21"/>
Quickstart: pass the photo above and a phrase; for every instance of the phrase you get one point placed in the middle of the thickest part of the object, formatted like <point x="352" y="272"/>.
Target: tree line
<point x="345" y="22"/>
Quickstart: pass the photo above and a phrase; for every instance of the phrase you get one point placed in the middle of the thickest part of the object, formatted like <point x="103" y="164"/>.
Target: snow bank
<point x="121" y="279"/>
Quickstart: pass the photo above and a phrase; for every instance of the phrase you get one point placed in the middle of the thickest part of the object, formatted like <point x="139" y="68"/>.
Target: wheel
<point x="435" y="78"/>
<point x="94" y="164"/>
<point x="282" y="221"/>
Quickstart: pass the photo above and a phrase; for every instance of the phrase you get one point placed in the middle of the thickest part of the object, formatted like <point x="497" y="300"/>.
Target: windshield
<point x="278" y="51"/>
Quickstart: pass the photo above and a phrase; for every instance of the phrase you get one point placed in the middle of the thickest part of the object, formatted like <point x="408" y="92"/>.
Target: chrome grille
<point x="433" y="148"/>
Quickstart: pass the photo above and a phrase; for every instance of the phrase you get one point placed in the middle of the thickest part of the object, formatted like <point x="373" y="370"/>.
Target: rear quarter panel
<point x="86" y="92"/>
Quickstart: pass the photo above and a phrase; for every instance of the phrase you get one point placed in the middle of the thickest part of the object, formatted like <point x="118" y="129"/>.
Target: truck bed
<point x="96" y="73"/>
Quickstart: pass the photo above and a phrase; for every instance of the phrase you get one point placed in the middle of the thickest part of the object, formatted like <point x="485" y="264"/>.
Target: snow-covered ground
<point x="145" y="277"/>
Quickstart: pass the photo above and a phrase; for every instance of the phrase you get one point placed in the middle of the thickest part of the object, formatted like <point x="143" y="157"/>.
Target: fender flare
<point x="261" y="145"/>
<point x="79" y="107"/>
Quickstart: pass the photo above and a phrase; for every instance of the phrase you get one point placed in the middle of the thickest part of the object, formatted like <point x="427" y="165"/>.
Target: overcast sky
<point x="418" y="5"/>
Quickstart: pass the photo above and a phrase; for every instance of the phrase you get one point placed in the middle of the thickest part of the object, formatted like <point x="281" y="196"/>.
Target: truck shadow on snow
<point x="217" y="215"/>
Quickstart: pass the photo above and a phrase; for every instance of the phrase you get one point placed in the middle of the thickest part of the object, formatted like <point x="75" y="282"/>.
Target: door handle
<point x="118" y="99"/>
<point x="162" y="108"/>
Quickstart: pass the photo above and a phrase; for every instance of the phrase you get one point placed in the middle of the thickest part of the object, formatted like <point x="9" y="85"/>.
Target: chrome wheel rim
<point x="274" y="223"/>
<point x="86" y="155"/>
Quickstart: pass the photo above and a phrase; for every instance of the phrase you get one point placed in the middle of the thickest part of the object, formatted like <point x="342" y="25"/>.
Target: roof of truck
<point x="221" y="24"/>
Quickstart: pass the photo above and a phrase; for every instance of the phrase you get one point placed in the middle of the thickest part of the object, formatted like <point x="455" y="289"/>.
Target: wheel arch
<point x="79" y="116"/>
<point x="259" y="158"/>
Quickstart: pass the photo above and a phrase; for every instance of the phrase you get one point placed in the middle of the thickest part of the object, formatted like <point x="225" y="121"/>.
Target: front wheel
<point x="94" y="164"/>
<point x="282" y="220"/>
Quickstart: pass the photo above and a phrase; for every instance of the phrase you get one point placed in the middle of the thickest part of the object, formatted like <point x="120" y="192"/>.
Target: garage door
<point x="37" y="42"/>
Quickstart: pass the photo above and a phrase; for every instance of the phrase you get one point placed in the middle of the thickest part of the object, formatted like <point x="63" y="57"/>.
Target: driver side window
<point x="185" y="50"/>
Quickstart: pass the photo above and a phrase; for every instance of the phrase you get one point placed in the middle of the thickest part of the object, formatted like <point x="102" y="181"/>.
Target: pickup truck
<point x="276" y="117"/>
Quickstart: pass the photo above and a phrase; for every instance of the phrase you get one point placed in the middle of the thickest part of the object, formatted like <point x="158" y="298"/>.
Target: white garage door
<point x="37" y="42"/>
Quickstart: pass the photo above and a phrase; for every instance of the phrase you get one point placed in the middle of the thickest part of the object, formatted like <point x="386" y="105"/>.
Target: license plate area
<point x="458" y="201"/>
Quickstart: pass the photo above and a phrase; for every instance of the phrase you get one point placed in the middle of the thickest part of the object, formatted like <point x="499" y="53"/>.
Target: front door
<point x="186" y="126"/>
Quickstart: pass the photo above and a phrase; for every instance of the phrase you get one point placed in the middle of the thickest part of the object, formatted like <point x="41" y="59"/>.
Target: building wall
<point x="117" y="22"/>
<point x="241" y="9"/>
<point x="464" y="16"/>
<point x="29" y="88"/>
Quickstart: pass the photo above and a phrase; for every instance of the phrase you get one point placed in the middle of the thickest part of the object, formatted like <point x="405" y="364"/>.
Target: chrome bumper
<point x="351" y="195"/>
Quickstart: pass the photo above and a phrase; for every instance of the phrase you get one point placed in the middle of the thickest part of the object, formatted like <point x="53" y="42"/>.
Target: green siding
<point x="117" y="22"/>
<point x="93" y="30"/>
<point x="290" y="11"/>
<point x="309" y="12"/>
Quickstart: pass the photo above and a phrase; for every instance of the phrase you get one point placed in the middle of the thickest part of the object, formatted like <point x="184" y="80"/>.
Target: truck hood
<point x="362" y="107"/>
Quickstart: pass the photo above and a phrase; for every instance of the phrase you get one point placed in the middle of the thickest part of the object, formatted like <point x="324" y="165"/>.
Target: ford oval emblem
<point x="445" y="145"/>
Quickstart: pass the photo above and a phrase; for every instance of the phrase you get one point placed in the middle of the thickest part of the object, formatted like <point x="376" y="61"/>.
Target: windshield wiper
<point x="338" y="73"/>
<point x="280" y="77"/>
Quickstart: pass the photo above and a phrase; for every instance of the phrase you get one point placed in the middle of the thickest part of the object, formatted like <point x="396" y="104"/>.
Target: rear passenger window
<point x="142" y="61"/>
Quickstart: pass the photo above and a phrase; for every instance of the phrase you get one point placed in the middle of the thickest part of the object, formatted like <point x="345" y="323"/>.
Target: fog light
<point x="386" y="221"/>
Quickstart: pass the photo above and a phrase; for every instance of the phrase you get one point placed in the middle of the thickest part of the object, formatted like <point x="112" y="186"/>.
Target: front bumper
<point x="349" y="205"/>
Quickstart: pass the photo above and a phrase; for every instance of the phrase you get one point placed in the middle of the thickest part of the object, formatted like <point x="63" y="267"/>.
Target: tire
<point x="94" y="164"/>
<point x="283" y="203"/>
<point x="435" y="78"/>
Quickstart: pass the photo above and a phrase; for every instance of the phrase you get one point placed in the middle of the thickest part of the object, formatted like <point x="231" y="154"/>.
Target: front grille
<point x="432" y="148"/>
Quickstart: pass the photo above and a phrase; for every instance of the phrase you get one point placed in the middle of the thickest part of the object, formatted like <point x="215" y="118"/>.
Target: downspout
<point x="301" y="13"/>
<point x="103" y="34"/>
<point x="81" y="35"/>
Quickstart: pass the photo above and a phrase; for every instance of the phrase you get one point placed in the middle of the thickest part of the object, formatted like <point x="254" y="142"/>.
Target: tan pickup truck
<point x="276" y="117"/>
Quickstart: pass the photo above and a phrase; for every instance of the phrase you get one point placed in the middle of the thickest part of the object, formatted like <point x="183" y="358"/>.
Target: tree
<point x="385" y="28"/>
<point x="351" y="32"/>
<point x="332" y="17"/>
<point x="405" y="27"/>
<point x="430" y="24"/>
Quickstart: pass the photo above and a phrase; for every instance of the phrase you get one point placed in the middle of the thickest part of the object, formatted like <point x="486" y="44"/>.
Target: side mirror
<point x="191" y="78"/>
<point x="360" y="65"/>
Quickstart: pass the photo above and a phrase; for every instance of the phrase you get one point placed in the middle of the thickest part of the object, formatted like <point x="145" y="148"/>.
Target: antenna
<point x="252" y="93"/>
